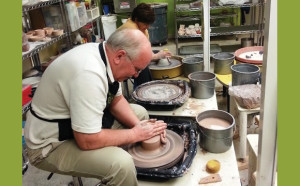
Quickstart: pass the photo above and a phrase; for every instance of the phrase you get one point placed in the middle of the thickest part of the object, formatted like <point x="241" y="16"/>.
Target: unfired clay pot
<point x="36" y="38"/>
<point x="48" y="30"/>
<point x="40" y="32"/>
<point x="58" y="32"/>
<point x="163" y="62"/>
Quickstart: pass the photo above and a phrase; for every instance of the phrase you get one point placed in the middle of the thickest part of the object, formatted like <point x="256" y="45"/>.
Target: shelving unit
<point x="253" y="28"/>
<point x="235" y="6"/>
<point x="233" y="30"/>
<point x="248" y="29"/>
<point x="97" y="20"/>
<point x="223" y="16"/>
<point x="27" y="8"/>
<point x="182" y="15"/>
<point x="35" y="47"/>
<point x="186" y="15"/>
<point x="42" y="46"/>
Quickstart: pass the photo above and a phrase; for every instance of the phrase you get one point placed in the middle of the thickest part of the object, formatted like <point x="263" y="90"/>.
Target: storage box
<point x="26" y="92"/>
<point x="93" y="13"/>
<point x="122" y="6"/>
<point x="83" y="18"/>
<point x="73" y="16"/>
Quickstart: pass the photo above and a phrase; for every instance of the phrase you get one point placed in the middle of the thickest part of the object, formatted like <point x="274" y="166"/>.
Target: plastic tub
<point x="216" y="133"/>
<point x="158" y="31"/>
<point x="202" y="84"/>
<point x="245" y="74"/>
<point x="109" y="24"/>
<point x="192" y="64"/>
<point x="247" y="42"/>
<point x="222" y="62"/>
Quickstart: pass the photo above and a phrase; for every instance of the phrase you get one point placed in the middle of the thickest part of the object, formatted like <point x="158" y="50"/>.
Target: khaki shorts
<point x="112" y="165"/>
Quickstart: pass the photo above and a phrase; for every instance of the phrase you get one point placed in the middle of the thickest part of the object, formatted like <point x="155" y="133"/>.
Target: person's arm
<point x="122" y="111"/>
<point x="160" y="55"/>
<point x="111" y="137"/>
<point x="140" y="130"/>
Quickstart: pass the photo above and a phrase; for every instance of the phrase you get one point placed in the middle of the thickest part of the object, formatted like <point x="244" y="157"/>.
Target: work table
<point x="229" y="169"/>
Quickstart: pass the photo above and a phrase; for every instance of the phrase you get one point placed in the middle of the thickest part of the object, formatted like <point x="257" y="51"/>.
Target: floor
<point x="36" y="177"/>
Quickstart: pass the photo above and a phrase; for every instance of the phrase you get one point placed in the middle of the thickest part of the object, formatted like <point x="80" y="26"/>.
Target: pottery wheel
<point x="173" y="63"/>
<point x="161" y="91"/>
<point x="164" y="156"/>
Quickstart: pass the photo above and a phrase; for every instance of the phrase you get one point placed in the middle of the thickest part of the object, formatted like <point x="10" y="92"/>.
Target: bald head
<point x="131" y="40"/>
<point x="128" y="51"/>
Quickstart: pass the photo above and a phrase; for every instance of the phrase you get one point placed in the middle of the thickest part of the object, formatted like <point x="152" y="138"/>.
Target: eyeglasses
<point x="137" y="71"/>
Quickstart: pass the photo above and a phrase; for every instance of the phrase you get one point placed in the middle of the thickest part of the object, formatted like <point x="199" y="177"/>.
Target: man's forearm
<point x="122" y="111"/>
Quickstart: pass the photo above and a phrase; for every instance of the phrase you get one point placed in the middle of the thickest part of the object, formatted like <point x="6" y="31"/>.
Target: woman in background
<point x="141" y="18"/>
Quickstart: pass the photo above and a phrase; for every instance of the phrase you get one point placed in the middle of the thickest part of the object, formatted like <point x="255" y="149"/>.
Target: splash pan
<point x="162" y="94"/>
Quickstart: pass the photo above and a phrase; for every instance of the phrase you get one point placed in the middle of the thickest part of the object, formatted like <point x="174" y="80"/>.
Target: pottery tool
<point x="210" y="179"/>
<point x="166" y="50"/>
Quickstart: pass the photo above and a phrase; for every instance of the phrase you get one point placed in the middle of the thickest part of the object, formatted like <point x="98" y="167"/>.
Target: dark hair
<point x="143" y="13"/>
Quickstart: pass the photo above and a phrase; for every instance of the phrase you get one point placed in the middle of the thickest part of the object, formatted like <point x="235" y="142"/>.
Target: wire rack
<point x="42" y="46"/>
<point x="27" y="8"/>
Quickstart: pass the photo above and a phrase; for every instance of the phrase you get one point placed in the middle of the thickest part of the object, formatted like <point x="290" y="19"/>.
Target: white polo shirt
<point x="74" y="86"/>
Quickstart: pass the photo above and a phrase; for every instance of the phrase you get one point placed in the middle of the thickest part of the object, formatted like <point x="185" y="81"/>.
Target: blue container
<point x="105" y="9"/>
<point x="158" y="31"/>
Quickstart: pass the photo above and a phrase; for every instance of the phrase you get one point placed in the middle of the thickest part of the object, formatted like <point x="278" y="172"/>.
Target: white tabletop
<point x="229" y="169"/>
<point x="190" y="108"/>
<point x="228" y="172"/>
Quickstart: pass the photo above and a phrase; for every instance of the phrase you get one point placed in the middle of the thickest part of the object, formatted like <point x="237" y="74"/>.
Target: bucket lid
<point x="111" y="17"/>
<point x="245" y="68"/>
<point x="158" y="5"/>
<point x="192" y="60"/>
<point x="223" y="56"/>
<point x="201" y="76"/>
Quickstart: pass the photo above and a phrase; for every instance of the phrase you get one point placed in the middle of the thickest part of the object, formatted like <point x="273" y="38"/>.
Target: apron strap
<point x="65" y="130"/>
<point x="108" y="118"/>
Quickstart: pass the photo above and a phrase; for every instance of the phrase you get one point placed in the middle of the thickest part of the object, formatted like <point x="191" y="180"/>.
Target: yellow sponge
<point x="213" y="166"/>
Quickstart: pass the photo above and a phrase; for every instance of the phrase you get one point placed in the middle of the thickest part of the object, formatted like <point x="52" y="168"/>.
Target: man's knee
<point x="140" y="111"/>
<point x="122" y="171"/>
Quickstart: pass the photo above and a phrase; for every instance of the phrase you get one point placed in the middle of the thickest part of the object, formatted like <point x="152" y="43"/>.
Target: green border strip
<point x="288" y="92"/>
<point x="11" y="127"/>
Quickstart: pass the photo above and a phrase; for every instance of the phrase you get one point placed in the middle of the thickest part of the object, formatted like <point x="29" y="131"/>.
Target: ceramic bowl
<point x="40" y="32"/>
<point x="48" y="30"/>
<point x="58" y="32"/>
<point x="36" y="38"/>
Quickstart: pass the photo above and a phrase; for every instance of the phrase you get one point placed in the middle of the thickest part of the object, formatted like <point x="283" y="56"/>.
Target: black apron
<point x="65" y="130"/>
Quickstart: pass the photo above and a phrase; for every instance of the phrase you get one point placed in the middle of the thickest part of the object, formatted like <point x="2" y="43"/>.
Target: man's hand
<point x="149" y="128"/>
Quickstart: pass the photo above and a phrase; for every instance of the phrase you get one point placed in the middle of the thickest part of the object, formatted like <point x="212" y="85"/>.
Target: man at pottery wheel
<point x="79" y="118"/>
<point x="141" y="18"/>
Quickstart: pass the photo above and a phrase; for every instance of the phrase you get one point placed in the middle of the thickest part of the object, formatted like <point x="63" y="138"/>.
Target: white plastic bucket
<point x="109" y="24"/>
<point x="124" y="21"/>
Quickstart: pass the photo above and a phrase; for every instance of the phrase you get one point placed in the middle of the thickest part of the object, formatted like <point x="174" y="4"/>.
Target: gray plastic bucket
<point x="158" y="30"/>
<point x="202" y="84"/>
<point x="216" y="140"/>
<point x="222" y="62"/>
<point x="247" y="42"/>
<point x="245" y="74"/>
<point x="192" y="64"/>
